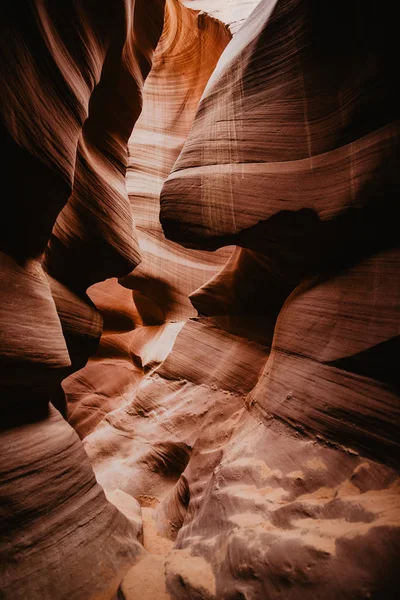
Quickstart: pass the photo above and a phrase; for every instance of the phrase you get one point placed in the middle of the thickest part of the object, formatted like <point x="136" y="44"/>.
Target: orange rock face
<point x="228" y="355"/>
<point x="292" y="158"/>
<point x="139" y="308"/>
<point x="71" y="83"/>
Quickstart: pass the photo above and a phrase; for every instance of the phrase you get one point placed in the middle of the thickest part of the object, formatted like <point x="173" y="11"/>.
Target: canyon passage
<point x="199" y="316"/>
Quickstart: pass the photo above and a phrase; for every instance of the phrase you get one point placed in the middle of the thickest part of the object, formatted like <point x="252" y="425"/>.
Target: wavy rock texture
<point x="305" y="208"/>
<point x="137" y="331"/>
<point x="292" y="157"/>
<point x="71" y="79"/>
<point x="252" y="449"/>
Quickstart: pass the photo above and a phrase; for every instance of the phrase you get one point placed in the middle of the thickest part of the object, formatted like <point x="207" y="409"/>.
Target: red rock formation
<point x="292" y="156"/>
<point x="71" y="77"/>
<point x="264" y="450"/>
<point x="135" y="338"/>
<point x="297" y="209"/>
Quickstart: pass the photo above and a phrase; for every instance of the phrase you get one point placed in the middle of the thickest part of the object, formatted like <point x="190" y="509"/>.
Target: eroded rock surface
<point x="242" y="407"/>
<point x="71" y="79"/>
<point x="292" y="156"/>
<point x="138" y="309"/>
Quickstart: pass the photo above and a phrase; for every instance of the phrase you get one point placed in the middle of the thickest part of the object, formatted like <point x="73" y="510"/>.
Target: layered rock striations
<point x="293" y="157"/>
<point x="263" y="171"/>
<point x="71" y="81"/>
<point x="144" y="310"/>
<point x="241" y="409"/>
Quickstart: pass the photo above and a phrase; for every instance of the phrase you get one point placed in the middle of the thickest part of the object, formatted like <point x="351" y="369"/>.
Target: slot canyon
<point x="199" y="317"/>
